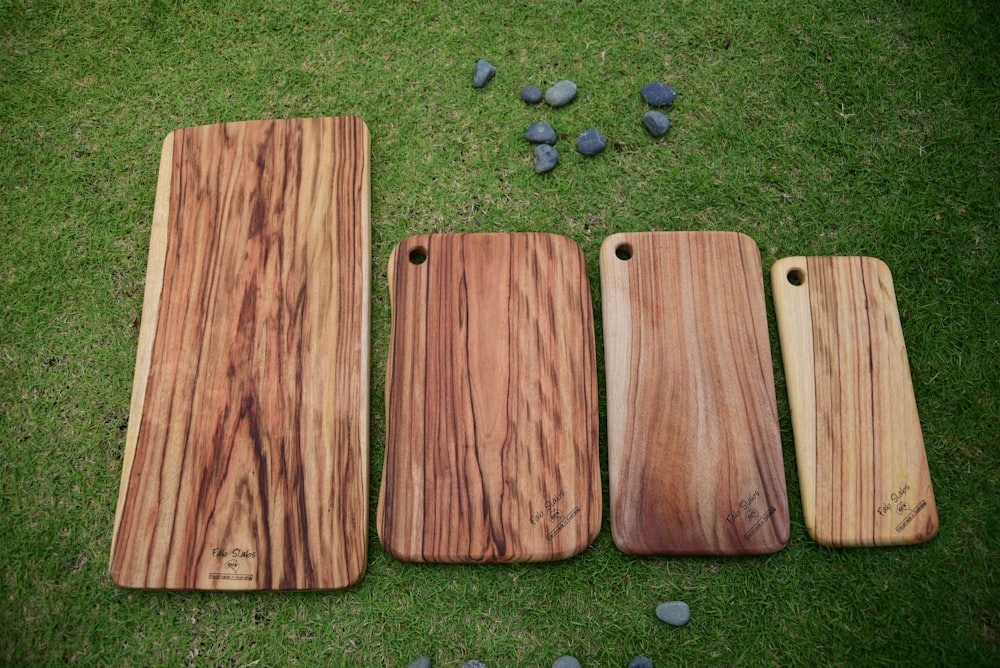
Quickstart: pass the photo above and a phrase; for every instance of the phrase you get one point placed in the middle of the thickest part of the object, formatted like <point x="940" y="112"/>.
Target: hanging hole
<point x="623" y="251"/>
<point x="796" y="276"/>
<point x="418" y="255"/>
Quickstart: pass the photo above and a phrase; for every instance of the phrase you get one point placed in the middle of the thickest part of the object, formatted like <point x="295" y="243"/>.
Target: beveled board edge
<point x="364" y="385"/>
<point x="801" y="400"/>
<point x="147" y="328"/>
<point x="615" y="329"/>
<point x="386" y="380"/>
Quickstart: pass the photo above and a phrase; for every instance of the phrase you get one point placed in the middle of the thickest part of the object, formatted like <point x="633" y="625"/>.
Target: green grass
<point x="828" y="127"/>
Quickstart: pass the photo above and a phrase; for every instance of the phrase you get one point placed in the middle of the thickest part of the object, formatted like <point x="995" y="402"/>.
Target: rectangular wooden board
<point x="694" y="445"/>
<point x="860" y="450"/>
<point x="246" y="457"/>
<point x="491" y="401"/>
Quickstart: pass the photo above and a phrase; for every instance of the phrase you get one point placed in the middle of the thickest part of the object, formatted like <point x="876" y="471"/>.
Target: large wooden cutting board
<point x="491" y="401"/>
<point x="246" y="459"/>
<point x="861" y="461"/>
<point x="694" y="446"/>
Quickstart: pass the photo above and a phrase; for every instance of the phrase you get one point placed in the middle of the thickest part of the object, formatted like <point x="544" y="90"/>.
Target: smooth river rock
<point x="675" y="613"/>
<point x="484" y="72"/>
<point x="560" y="93"/>
<point x="591" y="142"/>
<point x="531" y="94"/>
<point x="656" y="123"/>
<point x="541" y="133"/>
<point x="658" y="94"/>
<point x="546" y="158"/>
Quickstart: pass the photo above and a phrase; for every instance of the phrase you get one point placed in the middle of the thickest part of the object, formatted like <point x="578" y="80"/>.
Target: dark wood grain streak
<point x="246" y="458"/>
<point x="858" y="442"/>
<point x="491" y="401"/>
<point x="694" y="446"/>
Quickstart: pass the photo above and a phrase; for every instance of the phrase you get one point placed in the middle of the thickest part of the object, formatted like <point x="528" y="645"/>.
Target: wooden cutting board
<point x="491" y="401"/>
<point x="860" y="450"/>
<point x="246" y="459"/>
<point x="694" y="447"/>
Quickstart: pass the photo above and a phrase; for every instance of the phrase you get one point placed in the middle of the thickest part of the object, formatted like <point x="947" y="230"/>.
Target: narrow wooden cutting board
<point x="246" y="459"/>
<point x="860" y="450"/>
<point x="694" y="446"/>
<point x="491" y="401"/>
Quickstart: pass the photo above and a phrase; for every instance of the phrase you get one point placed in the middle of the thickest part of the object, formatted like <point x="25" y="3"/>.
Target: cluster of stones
<point x="590" y="141"/>
<point x="657" y="94"/>
<point x="561" y="93"/>
<point x="675" y="613"/>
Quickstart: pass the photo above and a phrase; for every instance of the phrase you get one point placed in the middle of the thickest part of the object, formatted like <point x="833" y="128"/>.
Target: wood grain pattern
<point x="694" y="446"/>
<point x="246" y="458"/>
<point x="858" y="442"/>
<point x="491" y="401"/>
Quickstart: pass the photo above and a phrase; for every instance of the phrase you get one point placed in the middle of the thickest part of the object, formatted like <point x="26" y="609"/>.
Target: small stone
<point x="531" y="94"/>
<point x="658" y="94"/>
<point x="656" y="123"/>
<point x="473" y="664"/>
<point x="640" y="662"/>
<point x="566" y="662"/>
<point x="675" y="613"/>
<point x="422" y="662"/>
<point x="540" y="133"/>
<point x="560" y="93"/>
<point x="546" y="158"/>
<point x="484" y="72"/>
<point x="591" y="142"/>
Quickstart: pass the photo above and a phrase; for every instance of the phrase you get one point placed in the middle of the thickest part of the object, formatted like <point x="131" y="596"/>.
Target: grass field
<point x="828" y="127"/>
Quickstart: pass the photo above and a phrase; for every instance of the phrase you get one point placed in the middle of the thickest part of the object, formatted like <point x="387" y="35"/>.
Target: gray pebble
<point x="561" y="93"/>
<point x="566" y="662"/>
<point x="484" y="72"/>
<point x="640" y="662"/>
<point x="473" y="664"/>
<point x="540" y="133"/>
<point x="658" y="94"/>
<point x="531" y="94"/>
<point x="422" y="662"/>
<point x="546" y="158"/>
<point x="591" y="142"/>
<point x="656" y="123"/>
<point x="675" y="613"/>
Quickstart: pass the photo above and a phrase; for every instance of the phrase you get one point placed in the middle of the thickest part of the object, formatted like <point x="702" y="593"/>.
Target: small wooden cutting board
<point x="246" y="458"/>
<point x="860" y="450"/>
<point x="491" y="401"/>
<point x="694" y="445"/>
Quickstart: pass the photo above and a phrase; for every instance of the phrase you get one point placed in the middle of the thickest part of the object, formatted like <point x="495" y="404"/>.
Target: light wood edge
<point x="791" y="305"/>
<point x="390" y="273"/>
<point x="147" y="327"/>
<point x="596" y="516"/>
<point x="365" y="370"/>
<point x="617" y="331"/>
